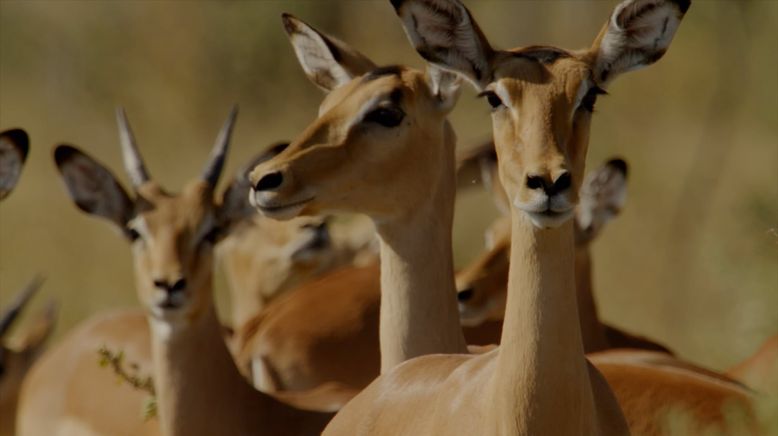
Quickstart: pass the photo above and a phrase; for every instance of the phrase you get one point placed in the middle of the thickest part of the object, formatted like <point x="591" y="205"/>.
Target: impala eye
<point x="587" y="103"/>
<point x="131" y="234"/>
<point x="212" y="236"/>
<point x="492" y="98"/>
<point x="386" y="116"/>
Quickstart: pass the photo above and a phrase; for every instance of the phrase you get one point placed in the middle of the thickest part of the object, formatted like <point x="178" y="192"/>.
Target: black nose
<point x="465" y="295"/>
<point x="269" y="181"/>
<point x="179" y="285"/>
<point x="562" y="183"/>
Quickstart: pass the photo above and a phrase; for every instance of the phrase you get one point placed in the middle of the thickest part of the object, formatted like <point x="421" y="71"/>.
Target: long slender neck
<point x="419" y="312"/>
<point x="198" y="387"/>
<point x="592" y="330"/>
<point x="541" y="371"/>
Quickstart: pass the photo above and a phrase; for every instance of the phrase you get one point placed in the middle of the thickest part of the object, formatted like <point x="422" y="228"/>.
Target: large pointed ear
<point x="445" y="34"/>
<point x="14" y="146"/>
<point x="328" y="62"/>
<point x="637" y="34"/>
<point x="445" y="86"/>
<point x="92" y="187"/>
<point x="235" y="207"/>
<point x="602" y="197"/>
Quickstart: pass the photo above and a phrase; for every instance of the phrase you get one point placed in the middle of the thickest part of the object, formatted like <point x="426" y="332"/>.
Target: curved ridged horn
<point x="213" y="168"/>
<point x="15" y="308"/>
<point x="133" y="162"/>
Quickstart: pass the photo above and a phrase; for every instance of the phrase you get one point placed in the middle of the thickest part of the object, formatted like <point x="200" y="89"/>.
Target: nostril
<point x="563" y="182"/>
<point x="161" y="284"/>
<point x="269" y="181"/>
<point x="465" y="295"/>
<point x="535" y="182"/>
<point x="179" y="285"/>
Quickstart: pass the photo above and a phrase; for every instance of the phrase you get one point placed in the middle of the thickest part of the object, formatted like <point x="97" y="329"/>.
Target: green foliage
<point x="129" y="373"/>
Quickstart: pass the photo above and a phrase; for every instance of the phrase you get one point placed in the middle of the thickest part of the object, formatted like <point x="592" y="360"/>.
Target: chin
<point x="550" y="219"/>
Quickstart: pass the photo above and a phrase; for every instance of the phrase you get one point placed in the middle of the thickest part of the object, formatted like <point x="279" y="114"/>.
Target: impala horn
<point x="213" y="168"/>
<point x="133" y="162"/>
<point x="15" y="308"/>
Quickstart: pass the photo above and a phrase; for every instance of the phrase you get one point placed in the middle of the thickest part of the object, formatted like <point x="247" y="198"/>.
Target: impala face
<point x="541" y="103"/>
<point x="541" y="97"/>
<point x="371" y="131"/>
<point x="172" y="239"/>
<point x="172" y="235"/>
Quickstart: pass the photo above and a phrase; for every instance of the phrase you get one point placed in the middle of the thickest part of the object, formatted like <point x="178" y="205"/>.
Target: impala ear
<point x="638" y="34"/>
<point x="235" y="207"/>
<point x="14" y="146"/>
<point x="328" y="62"/>
<point x="602" y="197"/>
<point x="445" y="34"/>
<point x="92" y="187"/>
<point x="445" y="85"/>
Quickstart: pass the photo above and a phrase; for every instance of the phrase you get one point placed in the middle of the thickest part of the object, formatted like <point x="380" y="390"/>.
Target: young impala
<point x="199" y="389"/>
<point x="537" y="381"/>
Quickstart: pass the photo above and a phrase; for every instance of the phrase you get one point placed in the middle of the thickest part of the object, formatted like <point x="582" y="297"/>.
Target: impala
<point x="199" y="389"/>
<point x="395" y="119"/>
<point x="537" y="381"/>
<point x="16" y="357"/>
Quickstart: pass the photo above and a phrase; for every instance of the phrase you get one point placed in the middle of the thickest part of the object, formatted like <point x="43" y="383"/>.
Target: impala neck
<point x="199" y="389"/>
<point x="419" y="313"/>
<point x="541" y="371"/>
<point x="592" y="330"/>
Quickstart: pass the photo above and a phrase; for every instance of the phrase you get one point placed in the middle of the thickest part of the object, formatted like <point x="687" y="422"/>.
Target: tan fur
<point x="199" y="389"/>
<point x="323" y="167"/>
<point x="262" y="259"/>
<point x="487" y="278"/>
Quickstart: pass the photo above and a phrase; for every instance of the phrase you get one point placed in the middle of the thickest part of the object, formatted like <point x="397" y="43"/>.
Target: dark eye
<point x="587" y="103"/>
<point x="212" y="236"/>
<point x="132" y="234"/>
<point x="387" y="117"/>
<point x="492" y="98"/>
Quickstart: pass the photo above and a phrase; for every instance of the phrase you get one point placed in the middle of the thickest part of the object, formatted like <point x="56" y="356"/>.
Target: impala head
<point x="172" y="235"/>
<point x="16" y="359"/>
<point x="14" y="146"/>
<point x="374" y="127"/>
<point x="482" y="285"/>
<point x="541" y="97"/>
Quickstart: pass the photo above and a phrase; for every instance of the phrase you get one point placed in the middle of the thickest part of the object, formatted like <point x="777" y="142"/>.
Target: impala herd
<point x="373" y="332"/>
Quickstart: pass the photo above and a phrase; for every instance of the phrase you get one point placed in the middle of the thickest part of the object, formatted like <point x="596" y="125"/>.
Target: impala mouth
<point x="549" y="218"/>
<point x="282" y="211"/>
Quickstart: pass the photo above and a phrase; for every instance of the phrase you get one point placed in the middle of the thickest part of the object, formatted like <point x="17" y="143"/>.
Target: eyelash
<point x="387" y="117"/>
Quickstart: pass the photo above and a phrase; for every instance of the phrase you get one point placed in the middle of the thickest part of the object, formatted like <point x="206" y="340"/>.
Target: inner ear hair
<point x="444" y="33"/>
<point x="638" y="33"/>
<point x="328" y="62"/>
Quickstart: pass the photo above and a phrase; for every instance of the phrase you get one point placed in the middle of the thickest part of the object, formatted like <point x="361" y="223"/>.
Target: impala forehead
<point x="519" y="75"/>
<point x="186" y="212"/>
<point x="362" y="91"/>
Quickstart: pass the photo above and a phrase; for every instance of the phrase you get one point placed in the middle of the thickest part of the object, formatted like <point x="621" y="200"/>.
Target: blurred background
<point x="693" y="260"/>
